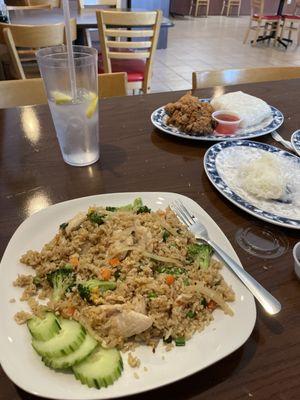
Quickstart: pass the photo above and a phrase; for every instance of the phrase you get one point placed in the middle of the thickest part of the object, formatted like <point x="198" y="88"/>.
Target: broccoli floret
<point x="111" y="209"/>
<point x="143" y="209"/>
<point x="163" y="269"/>
<point x="94" y="286"/>
<point x="137" y="206"/>
<point x="37" y="280"/>
<point x="93" y="216"/>
<point x="61" y="280"/>
<point x="200" y="254"/>
<point x="63" y="225"/>
<point x="137" y="203"/>
<point x="165" y="236"/>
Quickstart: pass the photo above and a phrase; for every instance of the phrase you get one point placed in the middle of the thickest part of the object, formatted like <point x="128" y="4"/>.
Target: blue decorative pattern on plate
<point x="295" y="140"/>
<point x="159" y="116"/>
<point x="214" y="175"/>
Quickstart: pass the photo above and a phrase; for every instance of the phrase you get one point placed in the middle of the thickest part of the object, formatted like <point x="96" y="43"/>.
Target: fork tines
<point x="182" y="213"/>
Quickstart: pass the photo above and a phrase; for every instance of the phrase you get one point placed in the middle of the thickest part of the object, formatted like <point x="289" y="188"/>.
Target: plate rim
<point x="213" y="139"/>
<point x="259" y="216"/>
<point x="242" y="339"/>
<point x="297" y="150"/>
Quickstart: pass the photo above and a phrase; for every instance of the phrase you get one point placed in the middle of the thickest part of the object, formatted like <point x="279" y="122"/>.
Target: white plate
<point x="159" y="117"/>
<point x="221" y="164"/>
<point x="23" y="366"/>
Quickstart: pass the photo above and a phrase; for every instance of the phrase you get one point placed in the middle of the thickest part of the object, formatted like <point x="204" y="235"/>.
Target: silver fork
<point x="269" y="303"/>
<point x="279" y="138"/>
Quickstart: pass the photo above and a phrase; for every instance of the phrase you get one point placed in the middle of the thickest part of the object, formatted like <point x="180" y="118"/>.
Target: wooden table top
<point x="86" y="18"/>
<point x="136" y="157"/>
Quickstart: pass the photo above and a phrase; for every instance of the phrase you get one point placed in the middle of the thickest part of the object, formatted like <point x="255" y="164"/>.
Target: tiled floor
<point x="211" y="43"/>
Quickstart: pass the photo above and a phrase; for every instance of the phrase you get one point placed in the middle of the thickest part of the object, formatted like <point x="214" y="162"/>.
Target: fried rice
<point x="140" y="251"/>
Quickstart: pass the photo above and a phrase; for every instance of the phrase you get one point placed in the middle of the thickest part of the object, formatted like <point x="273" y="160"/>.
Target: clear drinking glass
<point x="75" y="120"/>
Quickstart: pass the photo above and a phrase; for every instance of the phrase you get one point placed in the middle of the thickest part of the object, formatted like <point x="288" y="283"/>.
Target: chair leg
<point x="239" y="9"/>
<point x="298" y="36"/>
<point x="228" y="8"/>
<point x="257" y="30"/>
<point x="196" y="10"/>
<point x="282" y="29"/>
<point x="223" y="7"/>
<point x="276" y="32"/>
<point x="207" y="8"/>
<point x="247" y="33"/>
<point x="191" y="7"/>
<point x="290" y="31"/>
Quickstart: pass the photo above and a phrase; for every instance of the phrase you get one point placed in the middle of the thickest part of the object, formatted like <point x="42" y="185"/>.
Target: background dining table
<point x="136" y="157"/>
<point x="85" y="19"/>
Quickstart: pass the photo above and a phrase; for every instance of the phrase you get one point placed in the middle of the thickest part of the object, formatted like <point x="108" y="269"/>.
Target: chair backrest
<point x="24" y="92"/>
<point x="257" y="7"/>
<point x="109" y="3"/>
<point x="112" y="85"/>
<point x="25" y="8"/>
<point x="52" y="3"/>
<point x="121" y="25"/>
<point x="227" y="77"/>
<point x="31" y="36"/>
<point x="32" y="3"/>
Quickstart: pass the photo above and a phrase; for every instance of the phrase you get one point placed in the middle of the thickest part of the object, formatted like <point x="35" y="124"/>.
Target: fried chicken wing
<point x="190" y="115"/>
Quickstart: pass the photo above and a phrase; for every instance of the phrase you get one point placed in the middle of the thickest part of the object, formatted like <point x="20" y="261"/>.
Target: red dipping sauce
<point x="227" y="122"/>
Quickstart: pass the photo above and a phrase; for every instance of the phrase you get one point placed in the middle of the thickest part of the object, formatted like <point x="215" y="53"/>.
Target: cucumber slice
<point x="44" y="328"/>
<point x="73" y="358"/>
<point x="67" y="340"/>
<point x="101" y="368"/>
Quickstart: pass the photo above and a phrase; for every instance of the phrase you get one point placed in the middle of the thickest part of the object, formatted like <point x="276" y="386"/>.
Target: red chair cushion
<point x="273" y="17"/>
<point x="135" y="68"/>
<point x="287" y="16"/>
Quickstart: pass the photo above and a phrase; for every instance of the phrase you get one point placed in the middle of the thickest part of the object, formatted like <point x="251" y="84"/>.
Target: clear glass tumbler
<point x="75" y="120"/>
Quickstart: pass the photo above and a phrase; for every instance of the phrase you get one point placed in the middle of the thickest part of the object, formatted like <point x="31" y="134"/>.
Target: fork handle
<point x="269" y="303"/>
<point x="285" y="143"/>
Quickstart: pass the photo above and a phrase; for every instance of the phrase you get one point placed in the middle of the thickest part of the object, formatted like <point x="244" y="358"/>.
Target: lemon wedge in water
<point x="61" y="98"/>
<point x="92" y="105"/>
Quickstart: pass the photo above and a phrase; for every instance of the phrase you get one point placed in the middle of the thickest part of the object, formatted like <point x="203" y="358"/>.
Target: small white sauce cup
<point x="296" y="255"/>
<point x="225" y="127"/>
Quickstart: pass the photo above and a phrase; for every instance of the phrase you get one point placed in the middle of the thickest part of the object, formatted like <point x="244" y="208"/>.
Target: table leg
<point x="163" y="38"/>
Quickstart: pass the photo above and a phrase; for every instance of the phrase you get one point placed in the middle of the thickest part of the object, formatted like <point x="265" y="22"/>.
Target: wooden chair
<point x="112" y="85"/>
<point x="32" y="3"/>
<point x="227" y="77"/>
<point x="25" y="8"/>
<point x="109" y="3"/>
<point x="81" y="7"/>
<point x="291" y="23"/>
<point x="229" y="4"/>
<point x="52" y="3"/>
<point x="24" y="92"/>
<point x="32" y="37"/>
<point x="133" y="57"/>
<point x="261" y="23"/>
<point x="197" y="4"/>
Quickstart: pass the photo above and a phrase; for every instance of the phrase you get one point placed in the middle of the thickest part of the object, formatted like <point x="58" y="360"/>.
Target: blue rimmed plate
<point x="295" y="140"/>
<point x="159" y="118"/>
<point x="222" y="162"/>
